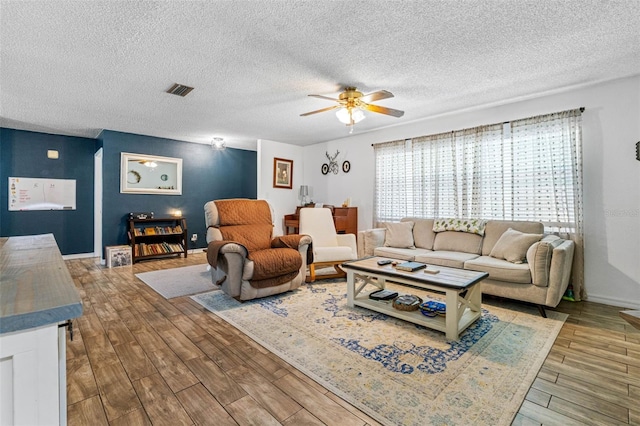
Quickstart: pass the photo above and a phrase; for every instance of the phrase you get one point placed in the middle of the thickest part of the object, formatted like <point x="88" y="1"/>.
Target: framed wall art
<point x="282" y="173"/>
<point x="150" y="174"/>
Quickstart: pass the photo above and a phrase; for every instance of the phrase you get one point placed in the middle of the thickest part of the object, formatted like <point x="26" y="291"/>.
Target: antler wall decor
<point x="333" y="164"/>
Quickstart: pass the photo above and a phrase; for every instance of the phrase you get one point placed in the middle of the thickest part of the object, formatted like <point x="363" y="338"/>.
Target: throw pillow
<point x="539" y="259"/>
<point x="472" y="226"/>
<point x="399" y="235"/>
<point x="513" y="245"/>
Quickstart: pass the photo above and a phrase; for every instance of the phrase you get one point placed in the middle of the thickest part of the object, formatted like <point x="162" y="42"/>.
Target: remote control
<point x="384" y="262"/>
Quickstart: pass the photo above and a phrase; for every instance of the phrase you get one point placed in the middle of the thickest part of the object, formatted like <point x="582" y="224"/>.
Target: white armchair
<point x="329" y="247"/>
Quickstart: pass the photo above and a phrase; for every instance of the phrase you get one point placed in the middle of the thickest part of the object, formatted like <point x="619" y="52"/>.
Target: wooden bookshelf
<point x="157" y="238"/>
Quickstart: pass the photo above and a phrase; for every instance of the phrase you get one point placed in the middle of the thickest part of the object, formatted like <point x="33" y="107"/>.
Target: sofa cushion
<point x="513" y="245"/>
<point x="371" y="239"/>
<point x="473" y="226"/>
<point x="398" y="253"/>
<point x="399" y="234"/>
<point x="495" y="228"/>
<point x="499" y="269"/>
<point x="458" y="241"/>
<point x="423" y="234"/>
<point x="539" y="259"/>
<point x="452" y="259"/>
<point x="271" y="263"/>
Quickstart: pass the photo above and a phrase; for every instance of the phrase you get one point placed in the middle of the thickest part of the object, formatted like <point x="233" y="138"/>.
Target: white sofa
<point x="537" y="271"/>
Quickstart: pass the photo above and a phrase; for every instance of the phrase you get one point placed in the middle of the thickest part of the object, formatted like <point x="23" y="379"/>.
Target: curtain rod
<point x="504" y="122"/>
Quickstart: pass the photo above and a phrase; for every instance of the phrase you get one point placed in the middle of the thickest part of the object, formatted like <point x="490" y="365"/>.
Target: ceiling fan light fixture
<point x="218" y="144"/>
<point x="358" y="115"/>
<point x="350" y="116"/>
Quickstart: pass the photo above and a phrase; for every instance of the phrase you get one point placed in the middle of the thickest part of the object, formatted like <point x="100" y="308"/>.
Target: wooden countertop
<point x="36" y="288"/>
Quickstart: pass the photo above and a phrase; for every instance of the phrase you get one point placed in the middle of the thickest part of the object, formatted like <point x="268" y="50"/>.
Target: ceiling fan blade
<point x="325" y="97"/>
<point x="383" y="110"/>
<point x="320" y="110"/>
<point x="376" y="96"/>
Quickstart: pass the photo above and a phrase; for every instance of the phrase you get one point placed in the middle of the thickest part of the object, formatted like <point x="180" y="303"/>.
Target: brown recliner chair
<point x="247" y="261"/>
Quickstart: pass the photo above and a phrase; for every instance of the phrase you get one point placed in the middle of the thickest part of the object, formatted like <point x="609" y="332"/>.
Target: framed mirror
<point x="150" y="174"/>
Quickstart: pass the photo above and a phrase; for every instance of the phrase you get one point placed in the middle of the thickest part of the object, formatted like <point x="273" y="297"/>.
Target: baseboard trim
<point x="613" y="301"/>
<point x="78" y="256"/>
<point x="102" y="261"/>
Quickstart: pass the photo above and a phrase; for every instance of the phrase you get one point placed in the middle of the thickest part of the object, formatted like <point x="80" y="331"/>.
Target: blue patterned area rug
<point x="397" y="372"/>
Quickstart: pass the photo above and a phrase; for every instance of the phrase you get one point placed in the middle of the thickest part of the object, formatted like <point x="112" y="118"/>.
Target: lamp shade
<point x="349" y="114"/>
<point x="304" y="190"/>
<point x="343" y="115"/>
<point x="357" y="115"/>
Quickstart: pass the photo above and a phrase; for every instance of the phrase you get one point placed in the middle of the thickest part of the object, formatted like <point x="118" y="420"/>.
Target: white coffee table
<point x="463" y="294"/>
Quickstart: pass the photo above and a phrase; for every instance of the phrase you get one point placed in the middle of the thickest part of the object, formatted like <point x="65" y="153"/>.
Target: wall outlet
<point x="194" y="237"/>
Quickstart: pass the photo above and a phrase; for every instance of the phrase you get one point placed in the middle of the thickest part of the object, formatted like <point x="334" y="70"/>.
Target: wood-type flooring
<point x="139" y="359"/>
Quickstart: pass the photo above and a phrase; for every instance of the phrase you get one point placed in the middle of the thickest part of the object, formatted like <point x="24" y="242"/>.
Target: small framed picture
<point x="282" y="173"/>
<point x="346" y="166"/>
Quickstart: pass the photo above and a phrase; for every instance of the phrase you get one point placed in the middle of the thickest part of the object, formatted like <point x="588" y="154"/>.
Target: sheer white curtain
<point x="460" y="174"/>
<point x="528" y="169"/>
<point x="393" y="197"/>
<point x="548" y="169"/>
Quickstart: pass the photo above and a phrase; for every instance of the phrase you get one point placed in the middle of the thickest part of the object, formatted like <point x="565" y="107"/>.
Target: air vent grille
<point x="180" y="90"/>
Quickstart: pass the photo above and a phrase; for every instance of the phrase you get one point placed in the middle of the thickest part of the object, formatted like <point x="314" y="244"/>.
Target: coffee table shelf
<point x="463" y="294"/>
<point x="416" y="317"/>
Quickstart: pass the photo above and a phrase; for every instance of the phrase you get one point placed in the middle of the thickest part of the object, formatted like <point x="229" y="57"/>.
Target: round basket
<point x="406" y="302"/>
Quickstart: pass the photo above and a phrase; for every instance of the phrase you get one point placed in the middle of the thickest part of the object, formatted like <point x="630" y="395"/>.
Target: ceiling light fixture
<point x="352" y="104"/>
<point x="350" y="115"/>
<point x="218" y="144"/>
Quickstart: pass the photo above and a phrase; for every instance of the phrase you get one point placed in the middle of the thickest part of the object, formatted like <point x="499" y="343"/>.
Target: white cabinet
<point x="37" y="294"/>
<point x="33" y="377"/>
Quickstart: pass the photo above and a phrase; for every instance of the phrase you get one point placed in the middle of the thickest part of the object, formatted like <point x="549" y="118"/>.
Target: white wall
<point x="611" y="127"/>
<point x="283" y="201"/>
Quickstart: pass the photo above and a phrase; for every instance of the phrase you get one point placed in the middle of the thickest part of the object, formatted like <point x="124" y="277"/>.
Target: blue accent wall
<point x="206" y="175"/>
<point x="24" y="154"/>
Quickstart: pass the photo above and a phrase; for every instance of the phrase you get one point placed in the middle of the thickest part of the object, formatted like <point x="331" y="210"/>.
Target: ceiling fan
<point x="352" y="102"/>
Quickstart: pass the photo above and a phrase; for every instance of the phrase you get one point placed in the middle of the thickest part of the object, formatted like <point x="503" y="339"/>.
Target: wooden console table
<point x="344" y="218"/>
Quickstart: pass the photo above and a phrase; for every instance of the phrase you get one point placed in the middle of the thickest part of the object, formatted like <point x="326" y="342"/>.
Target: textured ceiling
<point x="75" y="68"/>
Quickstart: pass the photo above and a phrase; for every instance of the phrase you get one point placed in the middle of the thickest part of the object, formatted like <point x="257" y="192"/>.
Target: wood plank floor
<point x="139" y="359"/>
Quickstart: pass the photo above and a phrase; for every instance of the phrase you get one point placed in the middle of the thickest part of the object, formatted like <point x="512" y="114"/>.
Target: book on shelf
<point x="143" y="249"/>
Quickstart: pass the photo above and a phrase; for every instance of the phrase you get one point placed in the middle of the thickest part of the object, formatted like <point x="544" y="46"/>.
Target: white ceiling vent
<point x="180" y="90"/>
